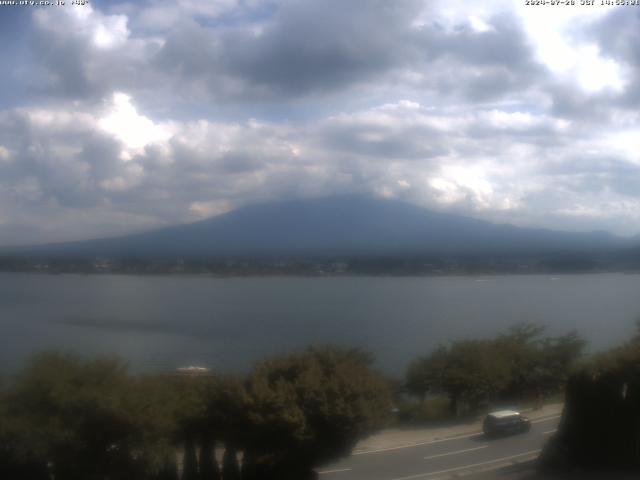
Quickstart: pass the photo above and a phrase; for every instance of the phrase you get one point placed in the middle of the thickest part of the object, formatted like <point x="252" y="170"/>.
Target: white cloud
<point x="135" y="131"/>
<point x="595" y="73"/>
<point x="479" y="25"/>
<point x="210" y="209"/>
<point x="5" y="154"/>
<point x="105" y="31"/>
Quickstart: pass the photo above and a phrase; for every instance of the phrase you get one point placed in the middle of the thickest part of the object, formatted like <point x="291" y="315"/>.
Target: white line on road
<point x="456" y="452"/>
<point x="440" y="440"/>
<point x="550" y="431"/>
<point x="337" y="470"/>
<point x="546" y="419"/>
<point x="474" y="465"/>
<point x="430" y="442"/>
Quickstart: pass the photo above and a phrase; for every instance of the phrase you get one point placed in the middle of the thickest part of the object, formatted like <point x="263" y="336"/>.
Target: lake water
<point x="158" y="323"/>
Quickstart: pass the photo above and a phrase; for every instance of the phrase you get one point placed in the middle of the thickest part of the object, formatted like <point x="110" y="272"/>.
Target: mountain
<point x="333" y="226"/>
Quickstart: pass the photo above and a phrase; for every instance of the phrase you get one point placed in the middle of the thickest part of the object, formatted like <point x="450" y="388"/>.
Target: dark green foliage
<point x="516" y="365"/>
<point x="539" y="365"/>
<point x="76" y="419"/>
<point x="425" y="374"/>
<point x="470" y="371"/>
<point x="230" y="468"/>
<point x="16" y="459"/>
<point x="190" y="462"/>
<point x="207" y="465"/>
<point x="75" y="414"/>
<point x="168" y="470"/>
<point x="600" y="425"/>
<point x="249" y="466"/>
<point x="304" y="409"/>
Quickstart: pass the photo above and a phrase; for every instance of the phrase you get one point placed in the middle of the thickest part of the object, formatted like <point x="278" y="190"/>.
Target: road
<point x="442" y="458"/>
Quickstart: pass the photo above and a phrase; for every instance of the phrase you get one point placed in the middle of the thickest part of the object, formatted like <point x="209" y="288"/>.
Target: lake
<point x="163" y="322"/>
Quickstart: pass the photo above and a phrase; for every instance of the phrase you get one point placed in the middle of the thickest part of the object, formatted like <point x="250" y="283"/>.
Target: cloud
<point x="134" y="131"/>
<point x="302" y="49"/>
<point x="131" y="117"/>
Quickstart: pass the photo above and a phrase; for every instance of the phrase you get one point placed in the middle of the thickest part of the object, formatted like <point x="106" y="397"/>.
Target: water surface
<point x="163" y="322"/>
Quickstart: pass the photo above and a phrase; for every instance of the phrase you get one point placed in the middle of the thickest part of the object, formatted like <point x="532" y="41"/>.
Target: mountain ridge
<point x="333" y="226"/>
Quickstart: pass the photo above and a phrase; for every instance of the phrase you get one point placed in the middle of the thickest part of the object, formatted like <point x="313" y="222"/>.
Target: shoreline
<point x="476" y="275"/>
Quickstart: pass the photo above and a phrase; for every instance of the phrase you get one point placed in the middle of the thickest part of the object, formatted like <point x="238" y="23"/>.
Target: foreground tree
<point x="74" y="415"/>
<point x="230" y="467"/>
<point x="17" y="460"/>
<point x="600" y="425"/>
<point x="309" y="408"/>
<point x="74" y="419"/>
<point x="207" y="465"/>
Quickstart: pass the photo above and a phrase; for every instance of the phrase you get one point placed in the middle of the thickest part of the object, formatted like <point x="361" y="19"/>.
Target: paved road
<point x="442" y="458"/>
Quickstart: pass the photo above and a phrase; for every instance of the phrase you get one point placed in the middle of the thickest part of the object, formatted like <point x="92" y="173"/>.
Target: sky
<point x="120" y="117"/>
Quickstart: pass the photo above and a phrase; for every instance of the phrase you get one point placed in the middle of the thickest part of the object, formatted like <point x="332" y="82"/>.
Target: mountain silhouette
<point x="343" y="225"/>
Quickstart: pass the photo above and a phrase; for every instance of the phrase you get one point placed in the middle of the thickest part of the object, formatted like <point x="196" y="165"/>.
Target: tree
<point x="520" y="363"/>
<point x="16" y="460"/>
<point x="208" y="466"/>
<point x="308" y="408"/>
<point x="74" y="414"/>
<point x="521" y="346"/>
<point x="475" y="371"/>
<point x="425" y="374"/>
<point x="600" y="425"/>
<point x="175" y="414"/>
<point x="190" y="462"/>
<point x="168" y="470"/>
<point x="469" y="371"/>
<point x="90" y="419"/>
<point x="230" y="469"/>
<point x="558" y="356"/>
<point x="539" y="364"/>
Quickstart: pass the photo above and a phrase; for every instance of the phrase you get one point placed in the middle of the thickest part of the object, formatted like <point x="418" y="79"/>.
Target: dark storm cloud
<point x="306" y="48"/>
<point x="314" y="46"/>
<point x="318" y="47"/>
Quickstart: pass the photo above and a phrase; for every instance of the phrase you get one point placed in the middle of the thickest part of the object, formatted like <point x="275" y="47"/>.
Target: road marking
<point x="546" y="419"/>
<point x="550" y="431"/>
<point x="440" y="440"/>
<point x="455" y="453"/>
<point x="449" y="470"/>
<point x="337" y="470"/>
<point x="430" y="442"/>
